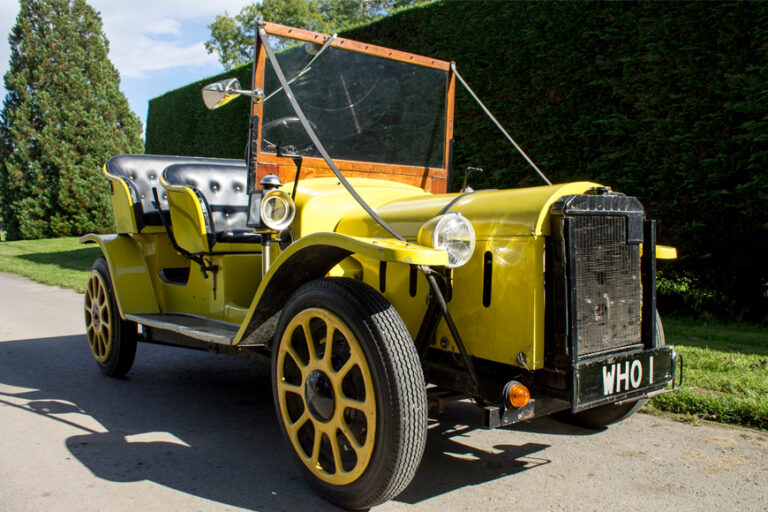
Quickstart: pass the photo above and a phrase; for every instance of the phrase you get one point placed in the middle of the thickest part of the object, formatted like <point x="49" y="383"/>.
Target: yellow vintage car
<point x="336" y="252"/>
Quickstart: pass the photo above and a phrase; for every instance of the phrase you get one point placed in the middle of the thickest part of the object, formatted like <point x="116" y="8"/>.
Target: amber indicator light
<point x="519" y="395"/>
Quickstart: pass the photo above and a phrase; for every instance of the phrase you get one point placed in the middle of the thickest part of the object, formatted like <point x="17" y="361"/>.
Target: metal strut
<point x="498" y="125"/>
<point x="438" y="297"/>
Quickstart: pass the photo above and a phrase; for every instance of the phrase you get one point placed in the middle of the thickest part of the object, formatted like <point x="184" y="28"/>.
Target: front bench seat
<point x="209" y="205"/>
<point x="134" y="176"/>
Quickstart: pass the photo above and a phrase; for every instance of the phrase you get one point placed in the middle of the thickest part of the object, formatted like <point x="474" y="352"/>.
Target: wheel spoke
<point x="315" y="458"/>
<point x="361" y="405"/>
<point x="100" y="344"/>
<point x="310" y="340"/>
<point x="296" y="359"/>
<point x="287" y="387"/>
<point x="334" y="439"/>
<point x="331" y="331"/>
<point x="346" y="367"/>
<point x="350" y="436"/>
<point x="294" y="427"/>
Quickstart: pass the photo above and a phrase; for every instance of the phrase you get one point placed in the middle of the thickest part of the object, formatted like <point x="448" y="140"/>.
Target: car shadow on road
<point x="205" y="425"/>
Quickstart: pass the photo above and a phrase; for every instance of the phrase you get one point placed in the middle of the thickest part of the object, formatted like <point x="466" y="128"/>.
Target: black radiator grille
<point x="606" y="284"/>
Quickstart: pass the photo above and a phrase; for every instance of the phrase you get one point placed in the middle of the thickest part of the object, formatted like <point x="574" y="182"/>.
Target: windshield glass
<point x="362" y="107"/>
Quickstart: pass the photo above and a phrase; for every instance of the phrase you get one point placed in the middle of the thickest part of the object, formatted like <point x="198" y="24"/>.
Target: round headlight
<point x="451" y="232"/>
<point x="277" y="209"/>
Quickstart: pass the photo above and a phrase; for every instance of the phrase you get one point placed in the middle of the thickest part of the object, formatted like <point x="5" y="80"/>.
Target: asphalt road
<point x="192" y="431"/>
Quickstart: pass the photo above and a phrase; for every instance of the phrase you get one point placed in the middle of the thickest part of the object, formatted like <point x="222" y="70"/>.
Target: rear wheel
<point x="604" y="415"/>
<point x="349" y="392"/>
<point x="111" y="339"/>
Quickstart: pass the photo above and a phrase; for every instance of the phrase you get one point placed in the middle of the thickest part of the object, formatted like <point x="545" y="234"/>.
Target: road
<point x="191" y="431"/>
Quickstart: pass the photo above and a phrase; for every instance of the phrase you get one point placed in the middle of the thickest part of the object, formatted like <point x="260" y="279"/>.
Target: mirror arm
<point x="256" y="94"/>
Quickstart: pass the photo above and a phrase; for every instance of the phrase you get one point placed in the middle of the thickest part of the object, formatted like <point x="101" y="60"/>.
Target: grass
<point x="726" y="372"/>
<point x="56" y="261"/>
<point x="726" y="365"/>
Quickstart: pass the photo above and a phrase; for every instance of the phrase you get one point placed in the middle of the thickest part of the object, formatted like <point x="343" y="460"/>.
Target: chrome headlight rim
<point x="285" y="220"/>
<point x="440" y="233"/>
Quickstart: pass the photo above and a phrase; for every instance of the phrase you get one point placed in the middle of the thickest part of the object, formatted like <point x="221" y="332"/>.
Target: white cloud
<point x="144" y="35"/>
<point x="147" y="35"/>
<point x="147" y="55"/>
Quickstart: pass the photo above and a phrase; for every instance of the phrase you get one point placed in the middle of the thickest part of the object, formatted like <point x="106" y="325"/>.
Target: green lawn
<point x="726" y="372"/>
<point x="726" y="365"/>
<point x="56" y="261"/>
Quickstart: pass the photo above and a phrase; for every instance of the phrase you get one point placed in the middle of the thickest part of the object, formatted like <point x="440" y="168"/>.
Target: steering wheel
<point x="285" y="122"/>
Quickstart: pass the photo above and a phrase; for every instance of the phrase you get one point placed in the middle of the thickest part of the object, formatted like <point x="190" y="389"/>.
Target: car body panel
<point x="134" y="290"/>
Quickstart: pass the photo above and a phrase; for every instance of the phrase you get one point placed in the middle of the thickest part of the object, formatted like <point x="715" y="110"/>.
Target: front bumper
<point x="604" y="380"/>
<point x="624" y="376"/>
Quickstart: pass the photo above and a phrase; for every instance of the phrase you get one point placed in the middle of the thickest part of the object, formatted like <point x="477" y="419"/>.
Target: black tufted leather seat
<point x="142" y="173"/>
<point x="222" y="190"/>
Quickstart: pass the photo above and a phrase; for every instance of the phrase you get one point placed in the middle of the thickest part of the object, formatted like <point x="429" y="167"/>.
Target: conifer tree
<point x="63" y="116"/>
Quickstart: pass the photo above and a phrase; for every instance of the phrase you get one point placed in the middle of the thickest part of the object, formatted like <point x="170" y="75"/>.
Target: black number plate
<point x="624" y="376"/>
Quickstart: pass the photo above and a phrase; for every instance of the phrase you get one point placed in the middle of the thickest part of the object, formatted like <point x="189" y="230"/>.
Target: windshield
<point x="363" y="107"/>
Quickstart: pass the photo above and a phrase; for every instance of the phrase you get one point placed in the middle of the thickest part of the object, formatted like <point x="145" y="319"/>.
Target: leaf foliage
<point x="62" y="117"/>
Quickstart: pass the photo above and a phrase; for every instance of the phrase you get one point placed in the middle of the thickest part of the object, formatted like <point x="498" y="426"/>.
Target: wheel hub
<point x="318" y="393"/>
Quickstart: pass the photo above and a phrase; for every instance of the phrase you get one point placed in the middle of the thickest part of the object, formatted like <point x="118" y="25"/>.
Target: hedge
<point x="664" y="101"/>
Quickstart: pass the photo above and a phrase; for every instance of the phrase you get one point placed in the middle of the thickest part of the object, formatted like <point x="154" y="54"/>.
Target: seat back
<point x="222" y="186"/>
<point x="140" y="174"/>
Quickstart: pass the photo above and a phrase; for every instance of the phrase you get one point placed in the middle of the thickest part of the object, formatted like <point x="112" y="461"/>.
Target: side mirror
<point x="222" y="92"/>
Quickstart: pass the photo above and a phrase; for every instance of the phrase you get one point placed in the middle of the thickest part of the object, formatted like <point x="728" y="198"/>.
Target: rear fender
<point x="131" y="280"/>
<point x="312" y="257"/>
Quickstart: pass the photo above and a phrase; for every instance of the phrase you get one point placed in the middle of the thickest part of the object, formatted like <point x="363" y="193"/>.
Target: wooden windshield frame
<point x="431" y="179"/>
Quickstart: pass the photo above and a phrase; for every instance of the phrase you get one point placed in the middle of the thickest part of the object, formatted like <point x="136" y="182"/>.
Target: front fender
<point x="134" y="292"/>
<point x="312" y="257"/>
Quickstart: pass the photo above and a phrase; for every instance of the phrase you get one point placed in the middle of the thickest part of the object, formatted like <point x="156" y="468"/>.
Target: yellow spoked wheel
<point x="349" y="392"/>
<point x="111" y="339"/>
<point x="326" y="396"/>
<point x="98" y="317"/>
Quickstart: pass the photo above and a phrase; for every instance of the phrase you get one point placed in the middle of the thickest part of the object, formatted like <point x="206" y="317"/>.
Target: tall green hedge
<point x="665" y="101"/>
<point x="179" y="124"/>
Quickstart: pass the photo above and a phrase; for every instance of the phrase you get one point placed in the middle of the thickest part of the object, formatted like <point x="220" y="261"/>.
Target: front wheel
<point x="111" y="339"/>
<point x="349" y="392"/>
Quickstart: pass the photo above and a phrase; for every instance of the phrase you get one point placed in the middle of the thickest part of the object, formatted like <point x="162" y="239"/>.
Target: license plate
<point x="623" y="376"/>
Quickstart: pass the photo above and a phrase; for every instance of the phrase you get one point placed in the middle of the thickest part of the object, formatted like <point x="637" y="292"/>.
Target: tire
<point x="355" y="417"/>
<point x="111" y="339"/>
<point x="604" y="415"/>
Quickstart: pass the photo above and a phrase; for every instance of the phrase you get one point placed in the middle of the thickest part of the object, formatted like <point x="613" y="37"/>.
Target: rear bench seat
<point x="221" y="189"/>
<point x="141" y="173"/>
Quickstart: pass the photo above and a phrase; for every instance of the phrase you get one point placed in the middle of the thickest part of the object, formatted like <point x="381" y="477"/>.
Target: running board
<point x="203" y="329"/>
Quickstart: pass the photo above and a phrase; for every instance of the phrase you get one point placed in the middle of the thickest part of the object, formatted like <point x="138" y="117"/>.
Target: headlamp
<point x="452" y="233"/>
<point x="277" y="209"/>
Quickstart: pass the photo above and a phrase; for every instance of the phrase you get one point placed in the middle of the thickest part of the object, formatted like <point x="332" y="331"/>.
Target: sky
<point x="156" y="45"/>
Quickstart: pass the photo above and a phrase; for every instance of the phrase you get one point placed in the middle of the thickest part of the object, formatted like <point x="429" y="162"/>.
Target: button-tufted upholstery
<point x="142" y="173"/>
<point x="223" y="192"/>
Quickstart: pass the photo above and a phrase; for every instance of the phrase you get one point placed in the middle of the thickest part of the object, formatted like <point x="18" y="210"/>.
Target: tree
<point x="232" y="37"/>
<point x="63" y="116"/>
